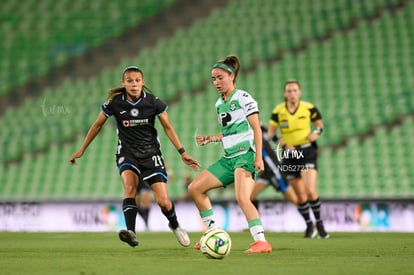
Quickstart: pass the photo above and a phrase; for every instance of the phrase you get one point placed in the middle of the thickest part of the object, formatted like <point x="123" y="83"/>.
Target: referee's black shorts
<point x="303" y="158"/>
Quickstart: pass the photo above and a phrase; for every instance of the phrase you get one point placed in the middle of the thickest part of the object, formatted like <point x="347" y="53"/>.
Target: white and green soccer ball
<point x="215" y="244"/>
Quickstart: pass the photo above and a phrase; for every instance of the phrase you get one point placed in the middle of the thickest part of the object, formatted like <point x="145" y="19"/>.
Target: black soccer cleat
<point x="321" y="230"/>
<point x="310" y="231"/>
<point x="129" y="237"/>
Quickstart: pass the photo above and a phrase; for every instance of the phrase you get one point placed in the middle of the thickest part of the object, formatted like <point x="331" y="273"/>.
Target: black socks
<point x="304" y="211"/>
<point x="171" y="216"/>
<point x="316" y="208"/>
<point x="130" y="210"/>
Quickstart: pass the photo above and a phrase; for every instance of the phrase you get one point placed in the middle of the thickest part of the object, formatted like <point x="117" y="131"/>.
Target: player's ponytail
<point x="145" y="88"/>
<point x="115" y="91"/>
<point x="231" y="64"/>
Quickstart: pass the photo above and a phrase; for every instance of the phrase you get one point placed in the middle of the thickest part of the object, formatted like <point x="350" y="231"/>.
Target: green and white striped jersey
<point x="232" y="116"/>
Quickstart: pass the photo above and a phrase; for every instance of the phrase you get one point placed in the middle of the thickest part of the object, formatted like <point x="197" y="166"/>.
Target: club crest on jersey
<point x="232" y="106"/>
<point x="134" y="112"/>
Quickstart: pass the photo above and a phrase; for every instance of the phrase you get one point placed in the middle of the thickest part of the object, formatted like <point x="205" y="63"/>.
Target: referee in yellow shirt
<point x="297" y="150"/>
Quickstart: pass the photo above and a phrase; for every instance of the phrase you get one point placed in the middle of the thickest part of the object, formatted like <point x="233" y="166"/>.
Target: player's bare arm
<point x="172" y="135"/>
<point x="92" y="133"/>
<point x="206" y="139"/>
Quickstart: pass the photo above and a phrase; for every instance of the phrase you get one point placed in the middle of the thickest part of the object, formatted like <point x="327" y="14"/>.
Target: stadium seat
<point x="358" y="79"/>
<point x="46" y="34"/>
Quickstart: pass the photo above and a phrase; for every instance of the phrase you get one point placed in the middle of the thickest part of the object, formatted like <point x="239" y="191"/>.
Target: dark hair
<point x="233" y="62"/>
<point x="119" y="90"/>
<point x="132" y="69"/>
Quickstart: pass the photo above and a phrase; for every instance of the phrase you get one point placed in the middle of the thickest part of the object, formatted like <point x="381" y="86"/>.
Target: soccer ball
<point x="215" y="244"/>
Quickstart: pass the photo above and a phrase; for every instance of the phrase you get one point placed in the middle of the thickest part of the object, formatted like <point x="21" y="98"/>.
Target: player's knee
<point x="130" y="190"/>
<point x="193" y="190"/>
<point x="163" y="202"/>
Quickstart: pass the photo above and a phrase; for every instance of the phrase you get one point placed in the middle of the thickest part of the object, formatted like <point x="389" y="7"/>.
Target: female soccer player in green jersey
<point x="241" y="136"/>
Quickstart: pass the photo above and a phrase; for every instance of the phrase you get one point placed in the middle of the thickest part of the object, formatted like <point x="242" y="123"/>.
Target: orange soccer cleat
<point x="259" y="247"/>
<point x="197" y="246"/>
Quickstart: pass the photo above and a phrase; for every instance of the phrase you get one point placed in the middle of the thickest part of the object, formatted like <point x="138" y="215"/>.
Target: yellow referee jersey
<point x="295" y="127"/>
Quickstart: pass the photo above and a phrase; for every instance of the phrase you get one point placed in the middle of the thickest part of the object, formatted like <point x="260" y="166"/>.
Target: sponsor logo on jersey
<point x="134" y="122"/>
<point x="241" y="148"/>
<point x="250" y="106"/>
<point x="224" y="119"/>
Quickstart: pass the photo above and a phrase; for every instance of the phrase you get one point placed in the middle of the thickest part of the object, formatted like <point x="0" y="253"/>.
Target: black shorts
<point x="304" y="157"/>
<point x="150" y="169"/>
<point x="280" y="184"/>
<point x="275" y="178"/>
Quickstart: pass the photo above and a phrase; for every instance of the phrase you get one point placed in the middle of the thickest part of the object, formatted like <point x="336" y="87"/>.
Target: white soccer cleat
<point x="182" y="236"/>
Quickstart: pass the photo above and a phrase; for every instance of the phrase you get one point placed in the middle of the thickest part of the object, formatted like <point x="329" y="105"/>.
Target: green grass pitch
<point x="159" y="253"/>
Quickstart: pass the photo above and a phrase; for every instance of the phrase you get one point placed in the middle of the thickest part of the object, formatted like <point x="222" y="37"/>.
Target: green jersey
<point x="232" y="115"/>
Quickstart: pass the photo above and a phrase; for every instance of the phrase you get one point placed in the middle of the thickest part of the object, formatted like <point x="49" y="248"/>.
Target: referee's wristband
<point x="319" y="130"/>
<point x="181" y="150"/>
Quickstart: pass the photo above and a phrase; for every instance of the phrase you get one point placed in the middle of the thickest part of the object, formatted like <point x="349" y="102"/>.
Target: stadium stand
<point x="350" y="57"/>
<point x="45" y="34"/>
<point x="171" y="83"/>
